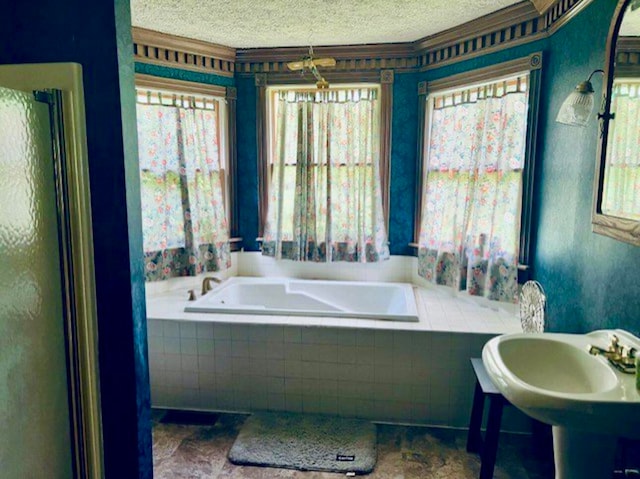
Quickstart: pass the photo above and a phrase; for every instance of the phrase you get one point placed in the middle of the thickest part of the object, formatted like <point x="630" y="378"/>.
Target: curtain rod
<point x="177" y="99"/>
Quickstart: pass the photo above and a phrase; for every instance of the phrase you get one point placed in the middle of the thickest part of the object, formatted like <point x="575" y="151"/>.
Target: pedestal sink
<point x="553" y="378"/>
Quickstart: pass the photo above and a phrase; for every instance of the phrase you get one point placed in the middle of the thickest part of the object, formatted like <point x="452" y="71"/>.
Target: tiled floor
<point x="200" y="451"/>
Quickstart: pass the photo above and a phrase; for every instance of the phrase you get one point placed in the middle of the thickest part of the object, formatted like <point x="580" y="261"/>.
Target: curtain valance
<point x="153" y="97"/>
<point x="497" y="89"/>
<point x="350" y="95"/>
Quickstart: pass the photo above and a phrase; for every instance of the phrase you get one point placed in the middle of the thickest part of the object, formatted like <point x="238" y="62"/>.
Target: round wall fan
<point x="532" y="307"/>
<point x="310" y="63"/>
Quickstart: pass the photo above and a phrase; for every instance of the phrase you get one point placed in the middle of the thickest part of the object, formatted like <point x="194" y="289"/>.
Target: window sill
<point x="524" y="270"/>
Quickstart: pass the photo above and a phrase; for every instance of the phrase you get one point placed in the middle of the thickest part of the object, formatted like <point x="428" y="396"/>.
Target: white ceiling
<point x="630" y="23"/>
<point x="278" y="23"/>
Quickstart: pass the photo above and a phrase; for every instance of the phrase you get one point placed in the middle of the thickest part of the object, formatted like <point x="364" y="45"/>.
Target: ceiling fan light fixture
<point x="311" y="63"/>
<point x="322" y="84"/>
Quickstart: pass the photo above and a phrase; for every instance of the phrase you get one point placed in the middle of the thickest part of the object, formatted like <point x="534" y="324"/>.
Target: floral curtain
<point x="474" y="157"/>
<point x="184" y="224"/>
<point x="325" y="201"/>
<point x="621" y="194"/>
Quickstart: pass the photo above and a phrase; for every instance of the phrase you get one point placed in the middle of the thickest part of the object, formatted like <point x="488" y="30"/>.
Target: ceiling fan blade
<point x="295" y="65"/>
<point x="325" y="62"/>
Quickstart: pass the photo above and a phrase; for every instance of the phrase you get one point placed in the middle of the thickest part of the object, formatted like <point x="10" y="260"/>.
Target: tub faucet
<point x="622" y="358"/>
<point x="206" y="283"/>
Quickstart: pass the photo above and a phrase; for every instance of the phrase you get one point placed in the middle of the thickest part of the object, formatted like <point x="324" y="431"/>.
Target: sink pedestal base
<point x="583" y="454"/>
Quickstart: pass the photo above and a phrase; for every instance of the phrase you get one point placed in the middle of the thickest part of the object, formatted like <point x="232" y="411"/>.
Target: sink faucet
<point x="206" y="283"/>
<point x="620" y="357"/>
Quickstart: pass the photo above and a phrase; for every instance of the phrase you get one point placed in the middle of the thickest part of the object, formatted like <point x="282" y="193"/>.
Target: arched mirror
<point x="617" y="188"/>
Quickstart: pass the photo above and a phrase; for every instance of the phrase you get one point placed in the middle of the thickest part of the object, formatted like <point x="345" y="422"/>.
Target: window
<point x="183" y="164"/>
<point x="622" y="172"/>
<point x="476" y="183"/>
<point x="325" y="195"/>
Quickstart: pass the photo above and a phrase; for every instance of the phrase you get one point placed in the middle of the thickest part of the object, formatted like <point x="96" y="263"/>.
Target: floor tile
<point x="200" y="452"/>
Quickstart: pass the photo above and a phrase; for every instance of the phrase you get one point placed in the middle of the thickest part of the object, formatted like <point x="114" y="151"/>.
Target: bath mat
<point x="308" y="442"/>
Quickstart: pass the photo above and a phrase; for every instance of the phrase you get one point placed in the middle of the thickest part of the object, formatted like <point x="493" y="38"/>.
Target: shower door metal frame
<point x="81" y="377"/>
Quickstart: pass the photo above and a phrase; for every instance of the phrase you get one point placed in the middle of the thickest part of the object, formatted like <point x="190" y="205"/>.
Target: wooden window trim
<point x="182" y="86"/>
<point x="229" y="96"/>
<point x="384" y="81"/>
<point x="532" y="64"/>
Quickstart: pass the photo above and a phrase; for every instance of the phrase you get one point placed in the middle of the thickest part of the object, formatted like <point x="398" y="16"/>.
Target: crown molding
<point x="511" y="26"/>
<point x="348" y="57"/>
<point x="198" y="47"/>
<point x="339" y="52"/>
<point x="628" y="44"/>
<point x="627" y="57"/>
<point x="542" y="5"/>
<point x="561" y="13"/>
<point x="508" y="17"/>
<point x="506" y="28"/>
<point x="173" y="51"/>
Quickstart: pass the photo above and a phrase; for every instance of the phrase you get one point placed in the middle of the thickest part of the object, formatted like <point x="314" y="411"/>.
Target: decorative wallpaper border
<point x="515" y="25"/>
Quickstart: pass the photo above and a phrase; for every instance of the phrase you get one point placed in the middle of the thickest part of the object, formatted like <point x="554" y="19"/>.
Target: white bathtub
<point x="296" y="297"/>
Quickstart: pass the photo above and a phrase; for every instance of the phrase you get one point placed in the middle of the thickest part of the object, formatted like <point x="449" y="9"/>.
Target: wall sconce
<point x="577" y="107"/>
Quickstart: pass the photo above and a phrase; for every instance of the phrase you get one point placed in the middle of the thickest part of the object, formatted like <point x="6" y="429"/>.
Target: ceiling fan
<point x="310" y="63"/>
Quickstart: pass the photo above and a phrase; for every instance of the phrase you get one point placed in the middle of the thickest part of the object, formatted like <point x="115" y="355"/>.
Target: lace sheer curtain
<point x="184" y="223"/>
<point x="325" y="198"/>
<point x="474" y="159"/>
<point x="621" y="194"/>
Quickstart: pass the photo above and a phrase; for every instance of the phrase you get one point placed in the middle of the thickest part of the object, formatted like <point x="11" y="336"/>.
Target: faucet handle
<point x="615" y="343"/>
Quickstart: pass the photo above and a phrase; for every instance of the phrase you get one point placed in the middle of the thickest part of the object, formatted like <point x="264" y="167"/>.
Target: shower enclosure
<point x="49" y="411"/>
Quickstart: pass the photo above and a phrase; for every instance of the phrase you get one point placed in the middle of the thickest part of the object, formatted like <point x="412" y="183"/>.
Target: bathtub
<point x="243" y="361"/>
<point x="296" y="297"/>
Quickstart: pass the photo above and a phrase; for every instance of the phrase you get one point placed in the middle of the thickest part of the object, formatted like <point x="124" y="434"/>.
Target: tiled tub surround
<point x="415" y="373"/>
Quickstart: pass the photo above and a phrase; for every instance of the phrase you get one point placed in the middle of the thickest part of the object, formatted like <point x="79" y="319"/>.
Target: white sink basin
<point x="553" y="378"/>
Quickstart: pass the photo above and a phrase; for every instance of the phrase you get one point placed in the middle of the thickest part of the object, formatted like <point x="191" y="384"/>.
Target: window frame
<point x="273" y="90"/>
<point x="225" y="96"/>
<point x="531" y="64"/>
<point x="382" y="80"/>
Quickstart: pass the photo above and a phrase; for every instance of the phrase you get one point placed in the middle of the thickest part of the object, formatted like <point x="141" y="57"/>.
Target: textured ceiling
<point x="278" y="23"/>
<point x="631" y="23"/>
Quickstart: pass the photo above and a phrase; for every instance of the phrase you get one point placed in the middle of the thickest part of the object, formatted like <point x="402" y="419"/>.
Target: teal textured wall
<point x="186" y="75"/>
<point x="402" y="187"/>
<point x="592" y="281"/>
<point x="97" y="35"/>
<point x="134" y="220"/>
<point x="247" y="162"/>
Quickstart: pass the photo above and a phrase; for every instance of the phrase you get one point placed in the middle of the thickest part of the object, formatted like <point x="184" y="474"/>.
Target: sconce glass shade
<point x="577" y="107"/>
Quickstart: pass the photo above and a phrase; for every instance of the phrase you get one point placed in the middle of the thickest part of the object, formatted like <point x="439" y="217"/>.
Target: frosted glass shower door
<point x="34" y="410"/>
